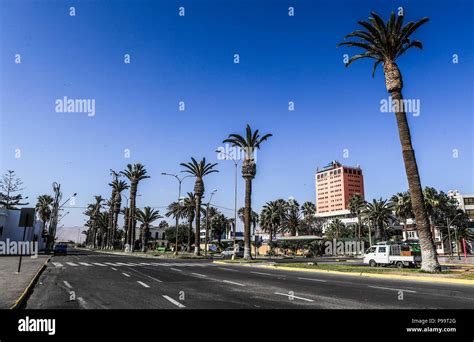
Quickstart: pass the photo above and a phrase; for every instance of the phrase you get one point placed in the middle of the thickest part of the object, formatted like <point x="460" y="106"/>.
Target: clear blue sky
<point x="191" y="58"/>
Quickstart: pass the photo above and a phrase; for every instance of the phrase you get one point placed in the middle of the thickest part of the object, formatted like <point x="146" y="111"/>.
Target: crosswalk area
<point x="127" y="264"/>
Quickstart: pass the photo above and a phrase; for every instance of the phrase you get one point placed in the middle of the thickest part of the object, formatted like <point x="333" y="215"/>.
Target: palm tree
<point x="272" y="218"/>
<point x="292" y="218"/>
<point x="44" y="209"/>
<point x="402" y="208"/>
<point x="248" y="144"/>
<point x="147" y="216"/>
<point x="309" y="210"/>
<point x="198" y="170"/>
<point x="118" y="187"/>
<point x="379" y="212"/>
<point x="335" y="229"/>
<point x="135" y="173"/>
<point x="253" y="217"/>
<point x="356" y="205"/>
<point x="384" y="43"/>
<point x="219" y="226"/>
<point x="189" y="205"/>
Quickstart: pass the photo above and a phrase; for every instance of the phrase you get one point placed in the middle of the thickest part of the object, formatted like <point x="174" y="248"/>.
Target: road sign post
<point x="27" y="216"/>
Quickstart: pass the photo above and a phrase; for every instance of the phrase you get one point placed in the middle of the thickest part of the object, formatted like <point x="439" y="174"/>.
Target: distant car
<point x="60" y="249"/>
<point x="229" y="251"/>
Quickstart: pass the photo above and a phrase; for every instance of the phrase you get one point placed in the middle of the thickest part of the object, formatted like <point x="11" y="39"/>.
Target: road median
<point x="465" y="277"/>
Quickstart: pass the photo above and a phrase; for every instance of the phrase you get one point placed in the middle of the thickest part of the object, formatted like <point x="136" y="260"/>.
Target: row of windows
<point x="469" y="200"/>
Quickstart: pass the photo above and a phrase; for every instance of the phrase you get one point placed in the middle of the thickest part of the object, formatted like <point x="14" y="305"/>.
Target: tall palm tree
<point x="248" y="144"/>
<point x="135" y="173"/>
<point x="119" y="187"/>
<point x="146" y="217"/>
<point x="402" y="208"/>
<point x="384" y="43"/>
<point x="335" y="229"/>
<point x="44" y="209"/>
<point x="356" y="205"/>
<point x="198" y="170"/>
<point x="308" y="209"/>
<point x="272" y="217"/>
<point x="189" y="205"/>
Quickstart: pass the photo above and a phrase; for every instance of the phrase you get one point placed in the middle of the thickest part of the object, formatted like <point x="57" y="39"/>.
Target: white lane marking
<point x="127" y="275"/>
<point x="142" y="283"/>
<point x="175" y="302"/>
<point x="199" y="275"/>
<point x="85" y="264"/>
<point x="57" y="264"/>
<point x="269" y="274"/>
<point x="226" y="269"/>
<point x="114" y="268"/>
<point x="389" y="288"/>
<point x="67" y="284"/>
<point x="82" y="302"/>
<point x="322" y="281"/>
<point x="145" y="263"/>
<point x="233" y="282"/>
<point x="121" y="264"/>
<point x="131" y="264"/>
<point x="71" y="264"/>
<point x="293" y="296"/>
<point x="175" y="269"/>
<point x="110" y="263"/>
<point x="99" y="264"/>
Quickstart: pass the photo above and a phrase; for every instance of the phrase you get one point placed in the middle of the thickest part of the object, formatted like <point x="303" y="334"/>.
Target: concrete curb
<point x="367" y="275"/>
<point x="28" y="289"/>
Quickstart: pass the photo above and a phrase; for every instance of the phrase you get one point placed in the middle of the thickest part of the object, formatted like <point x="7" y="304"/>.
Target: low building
<point x="10" y="231"/>
<point x="465" y="202"/>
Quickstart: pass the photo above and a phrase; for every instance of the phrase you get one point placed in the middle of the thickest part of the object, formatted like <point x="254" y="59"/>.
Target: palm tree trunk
<point x="190" y="233"/>
<point x="131" y="216"/>
<point x="144" y="238"/>
<point x="429" y="261"/>
<point x="247" y="213"/>
<point x="197" y="241"/>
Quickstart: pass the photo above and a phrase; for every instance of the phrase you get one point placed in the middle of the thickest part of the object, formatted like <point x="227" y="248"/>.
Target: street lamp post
<point x="207" y="221"/>
<point x="449" y="234"/>
<point x="235" y="199"/>
<point x="180" y="180"/>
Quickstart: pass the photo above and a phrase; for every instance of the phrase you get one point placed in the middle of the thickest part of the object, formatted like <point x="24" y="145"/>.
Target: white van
<point x="391" y="254"/>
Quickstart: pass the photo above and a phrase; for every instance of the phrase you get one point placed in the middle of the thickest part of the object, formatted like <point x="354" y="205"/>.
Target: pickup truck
<point x="392" y="254"/>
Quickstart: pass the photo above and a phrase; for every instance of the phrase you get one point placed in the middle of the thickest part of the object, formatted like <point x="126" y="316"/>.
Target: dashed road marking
<point x="85" y="264"/>
<point x="114" y="268"/>
<point x="57" y="264"/>
<point x="127" y="275"/>
<point x="389" y="288"/>
<point x="176" y="269"/>
<point x="312" y="279"/>
<point x="67" y="284"/>
<point x="293" y="296"/>
<point x="262" y="273"/>
<point x="200" y="275"/>
<point x="71" y="264"/>
<point x="233" y="282"/>
<point x="142" y="283"/>
<point x="175" y="302"/>
<point x="99" y="264"/>
<point x="227" y="269"/>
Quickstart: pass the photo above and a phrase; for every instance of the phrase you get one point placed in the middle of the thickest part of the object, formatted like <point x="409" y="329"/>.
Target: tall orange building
<point x="335" y="184"/>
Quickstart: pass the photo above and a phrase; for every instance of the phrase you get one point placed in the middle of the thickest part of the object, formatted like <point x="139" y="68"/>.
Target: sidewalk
<point x="14" y="285"/>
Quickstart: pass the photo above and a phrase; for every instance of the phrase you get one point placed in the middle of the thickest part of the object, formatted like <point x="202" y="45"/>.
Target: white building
<point x="10" y="230"/>
<point x="465" y="202"/>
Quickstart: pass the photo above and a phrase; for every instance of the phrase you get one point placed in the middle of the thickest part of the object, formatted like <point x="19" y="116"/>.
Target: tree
<point x="248" y="144"/>
<point x="198" y="170"/>
<point x="44" y="209"/>
<point x="272" y="217"/>
<point x="9" y="185"/>
<point x="337" y="230"/>
<point x="292" y="217"/>
<point x="402" y="208"/>
<point x="379" y="212"/>
<point x="119" y="187"/>
<point x="253" y="217"/>
<point x="219" y="226"/>
<point x="384" y="43"/>
<point x="356" y="205"/>
<point x="135" y="173"/>
<point x="146" y="217"/>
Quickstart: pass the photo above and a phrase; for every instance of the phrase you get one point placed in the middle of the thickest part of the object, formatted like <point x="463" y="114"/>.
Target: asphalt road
<point x="90" y="280"/>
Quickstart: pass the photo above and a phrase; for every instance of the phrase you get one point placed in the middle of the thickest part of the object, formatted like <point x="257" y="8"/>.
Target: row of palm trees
<point x="383" y="42"/>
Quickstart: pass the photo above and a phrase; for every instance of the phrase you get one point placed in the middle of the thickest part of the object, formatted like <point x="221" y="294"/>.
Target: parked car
<point x="60" y="248"/>
<point x="392" y="254"/>
<point x="229" y="251"/>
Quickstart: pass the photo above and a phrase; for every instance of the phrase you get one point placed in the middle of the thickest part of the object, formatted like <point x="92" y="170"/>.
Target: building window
<point x="468" y="200"/>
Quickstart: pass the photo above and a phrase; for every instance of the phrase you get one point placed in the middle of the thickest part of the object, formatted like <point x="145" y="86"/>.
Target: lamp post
<point x="449" y="234"/>
<point x="235" y="199"/>
<point x="180" y="180"/>
<point x="207" y="221"/>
